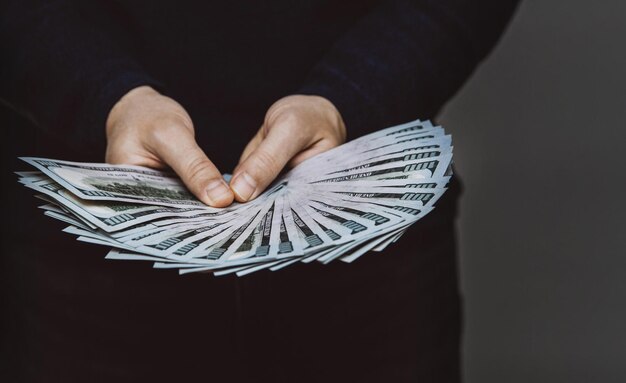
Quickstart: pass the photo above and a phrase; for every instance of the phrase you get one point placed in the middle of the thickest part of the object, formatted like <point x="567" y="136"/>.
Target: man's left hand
<point x="295" y="128"/>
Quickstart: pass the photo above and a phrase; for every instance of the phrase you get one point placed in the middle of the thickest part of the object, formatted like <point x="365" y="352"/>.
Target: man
<point x="193" y="86"/>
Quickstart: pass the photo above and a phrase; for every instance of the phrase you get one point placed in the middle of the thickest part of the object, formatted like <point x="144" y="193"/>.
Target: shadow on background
<point x="539" y="138"/>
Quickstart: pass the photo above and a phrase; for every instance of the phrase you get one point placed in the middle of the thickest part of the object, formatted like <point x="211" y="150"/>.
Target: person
<point x="250" y="87"/>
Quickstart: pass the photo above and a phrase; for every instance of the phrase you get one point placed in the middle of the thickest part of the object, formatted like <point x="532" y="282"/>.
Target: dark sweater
<point x="65" y="63"/>
<point x="387" y="318"/>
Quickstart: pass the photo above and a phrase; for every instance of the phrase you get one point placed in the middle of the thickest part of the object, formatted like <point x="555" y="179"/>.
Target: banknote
<point x="356" y="198"/>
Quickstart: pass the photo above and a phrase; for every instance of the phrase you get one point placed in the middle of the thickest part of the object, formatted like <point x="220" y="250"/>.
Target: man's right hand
<point x="148" y="129"/>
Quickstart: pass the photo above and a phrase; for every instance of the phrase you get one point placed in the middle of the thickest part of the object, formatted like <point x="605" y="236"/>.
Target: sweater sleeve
<point x="405" y="59"/>
<point x="60" y="71"/>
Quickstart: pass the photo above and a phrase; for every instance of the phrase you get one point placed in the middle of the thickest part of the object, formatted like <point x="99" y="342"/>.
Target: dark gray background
<point x="539" y="136"/>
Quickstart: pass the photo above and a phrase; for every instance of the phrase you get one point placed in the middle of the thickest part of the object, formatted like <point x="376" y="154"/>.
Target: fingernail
<point x="244" y="186"/>
<point x="216" y="190"/>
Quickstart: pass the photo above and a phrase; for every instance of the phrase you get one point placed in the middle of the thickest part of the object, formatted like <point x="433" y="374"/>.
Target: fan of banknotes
<point x="357" y="197"/>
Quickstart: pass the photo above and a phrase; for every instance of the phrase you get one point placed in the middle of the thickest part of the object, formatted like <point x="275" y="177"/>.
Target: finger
<point x="182" y="153"/>
<point x="262" y="166"/>
<point x="252" y="145"/>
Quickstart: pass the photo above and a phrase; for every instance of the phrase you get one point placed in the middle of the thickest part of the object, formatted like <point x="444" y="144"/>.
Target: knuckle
<point x="199" y="170"/>
<point x="288" y="115"/>
<point x="290" y="124"/>
<point x="334" y="141"/>
<point x="113" y="159"/>
<point x="167" y="131"/>
<point x="118" y="156"/>
<point x="115" y="156"/>
<point x="281" y="112"/>
<point x="266" y="163"/>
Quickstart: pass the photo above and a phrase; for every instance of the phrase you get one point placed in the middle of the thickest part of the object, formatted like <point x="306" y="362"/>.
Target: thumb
<point x="264" y="163"/>
<point x="197" y="172"/>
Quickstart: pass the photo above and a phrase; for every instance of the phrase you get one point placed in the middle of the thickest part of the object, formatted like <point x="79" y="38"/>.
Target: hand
<point x="295" y="128"/>
<point x="148" y="129"/>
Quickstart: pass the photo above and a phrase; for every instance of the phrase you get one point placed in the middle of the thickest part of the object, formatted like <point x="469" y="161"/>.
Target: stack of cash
<point x="357" y="197"/>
